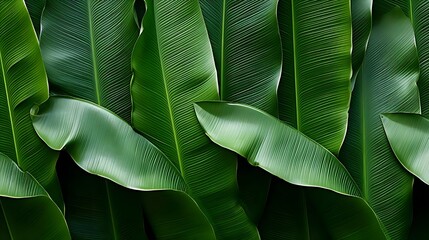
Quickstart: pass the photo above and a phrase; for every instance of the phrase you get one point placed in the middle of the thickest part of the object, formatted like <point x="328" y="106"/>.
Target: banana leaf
<point x="24" y="84"/>
<point x="362" y="21"/>
<point x="35" y="8"/>
<point x="87" y="50"/>
<point x="26" y="209"/>
<point x="387" y="82"/>
<point x="309" y="56"/>
<point x="247" y="50"/>
<point x="288" y="154"/>
<point x="173" y="67"/>
<point x="102" y="144"/>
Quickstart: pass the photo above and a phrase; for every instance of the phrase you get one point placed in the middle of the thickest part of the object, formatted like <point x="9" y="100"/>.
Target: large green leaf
<point x="246" y="44"/>
<point x="35" y="8"/>
<point x="408" y="136"/>
<point x="24" y="83"/>
<point x="26" y="209"/>
<point x="419" y="17"/>
<point x="314" y="91"/>
<point x="104" y="145"/>
<point x="316" y="38"/>
<point x="290" y="155"/>
<point x="362" y="21"/>
<point x="271" y="145"/>
<point x="87" y="48"/>
<point x="174" y="67"/>
<point x="386" y="83"/>
<point x="247" y="50"/>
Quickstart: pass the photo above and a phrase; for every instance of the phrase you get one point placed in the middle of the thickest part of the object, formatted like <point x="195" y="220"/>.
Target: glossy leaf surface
<point x="87" y="49"/>
<point x="288" y="154"/>
<point x="86" y="46"/>
<point x="386" y="83"/>
<point x="314" y="92"/>
<point x="408" y="136"/>
<point x="362" y="21"/>
<point x="26" y="210"/>
<point x="268" y="143"/>
<point x="23" y="84"/>
<point x="247" y="49"/>
<point x="35" y="8"/>
<point x="174" y="67"/>
<point x="104" y="145"/>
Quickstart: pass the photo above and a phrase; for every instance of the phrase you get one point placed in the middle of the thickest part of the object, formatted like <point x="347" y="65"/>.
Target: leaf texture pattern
<point x="314" y="91"/>
<point x="247" y="49"/>
<point x="87" y="46"/>
<point x="103" y="144"/>
<point x="387" y="82"/>
<point x="26" y="209"/>
<point x="23" y="84"/>
<point x="174" y="67"/>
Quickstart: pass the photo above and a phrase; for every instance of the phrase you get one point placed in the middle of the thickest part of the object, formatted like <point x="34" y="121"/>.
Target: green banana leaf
<point x="24" y="83"/>
<point x="418" y="12"/>
<point x="290" y="155"/>
<point x="104" y="145"/>
<point x="246" y="44"/>
<point x="408" y="136"/>
<point x="314" y="63"/>
<point x="419" y="17"/>
<point x="26" y="209"/>
<point x="87" y="51"/>
<point x="308" y="59"/>
<point x="86" y="47"/>
<point x="35" y="8"/>
<point x="174" y="67"/>
<point x="362" y="21"/>
<point x="268" y="143"/>
<point x="386" y="83"/>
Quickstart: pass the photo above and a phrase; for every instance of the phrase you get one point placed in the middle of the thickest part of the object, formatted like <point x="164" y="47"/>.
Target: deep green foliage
<point x="214" y="119"/>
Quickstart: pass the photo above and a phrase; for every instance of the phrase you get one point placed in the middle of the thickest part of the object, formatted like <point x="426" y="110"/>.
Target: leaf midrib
<point x="97" y="93"/>
<point x="222" y="51"/>
<point x="12" y="120"/>
<point x="168" y="98"/>
<point x="364" y="140"/>
<point x="93" y="53"/>
<point x="294" y="66"/>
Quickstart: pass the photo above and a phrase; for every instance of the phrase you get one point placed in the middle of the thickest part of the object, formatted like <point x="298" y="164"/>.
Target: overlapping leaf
<point x="174" y="67"/>
<point x="312" y="97"/>
<point x="26" y="210"/>
<point x="314" y="91"/>
<point x="362" y="21"/>
<point x="386" y="83"/>
<point x="247" y="50"/>
<point x="86" y="46"/>
<point x="290" y="155"/>
<point x="87" y="49"/>
<point x="104" y="145"/>
<point x="23" y="84"/>
<point x="35" y="8"/>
